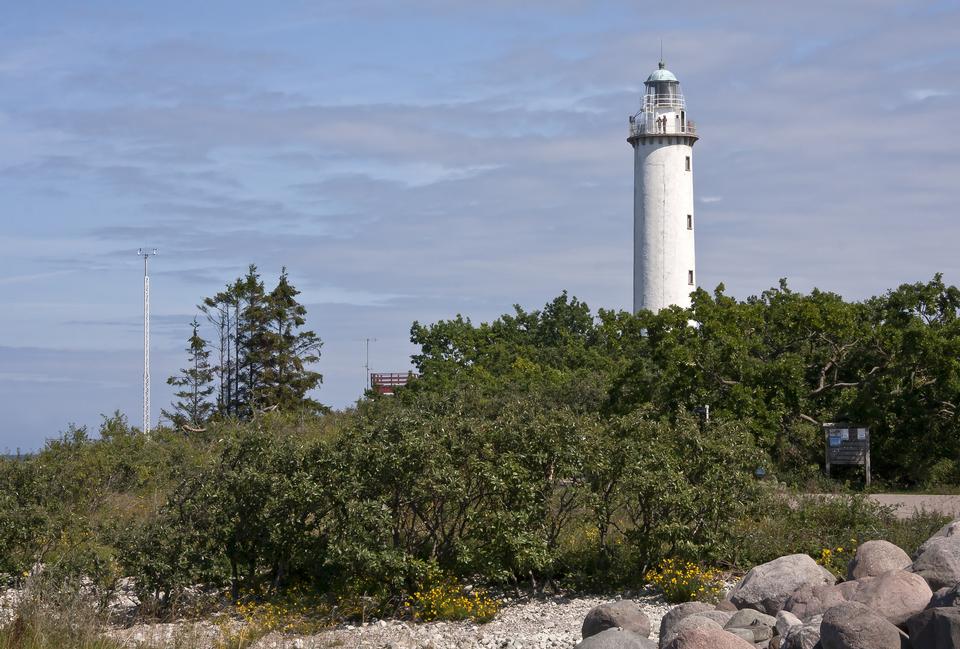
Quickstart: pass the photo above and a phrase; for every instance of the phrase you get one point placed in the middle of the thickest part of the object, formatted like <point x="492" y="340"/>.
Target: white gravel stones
<point x="551" y="623"/>
<point x="545" y="623"/>
<point x="8" y="603"/>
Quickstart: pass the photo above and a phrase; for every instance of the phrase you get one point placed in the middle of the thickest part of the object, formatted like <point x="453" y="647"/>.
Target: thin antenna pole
<point x="146" y="254"/>
<point x="367" y="365"/>
<point x="661" y="50"/>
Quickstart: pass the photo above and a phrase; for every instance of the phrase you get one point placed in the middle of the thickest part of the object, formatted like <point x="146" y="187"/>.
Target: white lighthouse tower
<point x="662" y="137"/>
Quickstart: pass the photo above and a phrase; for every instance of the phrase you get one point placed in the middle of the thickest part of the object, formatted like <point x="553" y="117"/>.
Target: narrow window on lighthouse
<point x="689" y="221"/>
<point x="688" y="163"/>
<point x="690" y="277"/>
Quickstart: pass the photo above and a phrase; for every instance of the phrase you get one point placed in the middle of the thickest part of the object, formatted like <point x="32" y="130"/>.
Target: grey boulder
<point x="938" y="561"/>
<point x="802" y="636"/>
<point x="694" y="621"/>
<point x="745" y="634"/>
<point x="616" y="639"/>
<point x="749" y="617"/>
<point x="768" y="586"/>
<point x="669" y="621"/>
<point x="895" y="595"/>
<point x="949" y="530"/>
<point x="718" y="616"/>
<point x="784" y="621"/>
<point x="809" y="601"/>
<point x="935" y="628"/>
<point x="624" y="614"/>
<point x="707" y="638"/>
<point x="851" y="625"/>
<point x="753" y="633"/>
<point x="874" y="558"/>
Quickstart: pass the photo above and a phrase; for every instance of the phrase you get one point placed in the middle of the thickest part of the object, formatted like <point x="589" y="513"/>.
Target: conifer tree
<point x="193" y="406"/>
<point x="286" y="379"/>
<point x="219" y="313"/>
<point x="252" y="341"/>
<point x="263" y="352"/>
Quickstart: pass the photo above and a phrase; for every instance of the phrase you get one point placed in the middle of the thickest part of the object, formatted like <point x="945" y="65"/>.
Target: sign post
<point x="847" y="444"/>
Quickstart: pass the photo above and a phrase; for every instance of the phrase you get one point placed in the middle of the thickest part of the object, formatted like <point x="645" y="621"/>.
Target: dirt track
<point x="906" y="504"/>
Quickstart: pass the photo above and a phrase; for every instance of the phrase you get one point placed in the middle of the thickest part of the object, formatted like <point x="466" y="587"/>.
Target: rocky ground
<point x="543" y="623"/>
<point x="887" y="600"/>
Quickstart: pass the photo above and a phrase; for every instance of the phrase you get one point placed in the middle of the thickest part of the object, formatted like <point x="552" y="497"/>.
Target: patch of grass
<point x="910" y="533"/>
<point x="50" y="636"/>
<point x="47" y="617"/>
<point x="808" y="524"/>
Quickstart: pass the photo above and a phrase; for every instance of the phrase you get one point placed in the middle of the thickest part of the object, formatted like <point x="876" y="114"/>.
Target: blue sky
<point x="411" y="161"/>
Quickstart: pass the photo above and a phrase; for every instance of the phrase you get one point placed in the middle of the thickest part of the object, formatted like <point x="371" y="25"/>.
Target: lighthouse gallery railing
<point x="649" y="127"/>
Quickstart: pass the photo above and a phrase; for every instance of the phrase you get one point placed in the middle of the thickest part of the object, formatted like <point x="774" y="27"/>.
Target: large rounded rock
<point x="707" y="638"/>
<point x="616" y="639"/>
<point x="935" y="628"/>
<point x="718" y="616"/>
<point x="784" y="621"/>
<point x="939" y="561"/>
<point x="949" y="530"/>
<point x="669" y="621"/>
<point x="726" y="605"/>
<point x="894" y="595"/>
<point x="808" y="601"/>
<point x="624" y="614"/>
<point x="851" y="625"/>
<point x="875" y="558"/>
<point x="768" y="586"/>
<point x="695" y="621"/>
<point x="749" y="617"/>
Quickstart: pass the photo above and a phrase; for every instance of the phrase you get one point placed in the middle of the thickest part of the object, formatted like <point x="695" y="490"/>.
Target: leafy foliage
<point x="548" y="447"/>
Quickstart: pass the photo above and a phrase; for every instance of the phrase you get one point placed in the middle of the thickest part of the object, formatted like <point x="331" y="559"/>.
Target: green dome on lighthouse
<point x="661" y="74"/>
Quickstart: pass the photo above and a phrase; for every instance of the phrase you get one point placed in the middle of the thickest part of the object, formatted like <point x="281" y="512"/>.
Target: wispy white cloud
<point x="412" y="163"/>
<point x="22" y="279"/>
<point x="922" y="94"/>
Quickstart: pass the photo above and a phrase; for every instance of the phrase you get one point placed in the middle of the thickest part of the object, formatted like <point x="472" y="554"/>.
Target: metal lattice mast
<point x="146" y="254"/>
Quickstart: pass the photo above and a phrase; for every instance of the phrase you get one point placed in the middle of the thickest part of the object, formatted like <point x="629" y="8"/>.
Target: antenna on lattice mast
<point x="146" y="254"/>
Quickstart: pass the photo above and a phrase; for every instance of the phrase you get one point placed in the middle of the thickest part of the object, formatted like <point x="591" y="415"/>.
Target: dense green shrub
<point x="547" y="447"/>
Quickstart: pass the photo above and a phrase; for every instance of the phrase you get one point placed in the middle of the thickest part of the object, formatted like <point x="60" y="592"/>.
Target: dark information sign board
<point x="847" y="444"/>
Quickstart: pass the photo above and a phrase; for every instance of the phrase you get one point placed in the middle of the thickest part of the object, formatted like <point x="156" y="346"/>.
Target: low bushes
<point x="475" y="486"/>
<point x="518" y="492"/>
<point x="790" y="524"/>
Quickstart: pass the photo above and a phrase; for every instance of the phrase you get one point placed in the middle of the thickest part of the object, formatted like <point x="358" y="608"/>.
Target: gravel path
<point x="906" y="504"/>
<point x="543" y="623"/>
